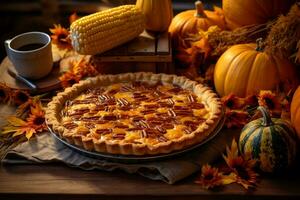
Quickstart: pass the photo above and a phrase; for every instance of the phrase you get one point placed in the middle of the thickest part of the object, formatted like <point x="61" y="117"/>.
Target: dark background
<point x="18" y="16"/>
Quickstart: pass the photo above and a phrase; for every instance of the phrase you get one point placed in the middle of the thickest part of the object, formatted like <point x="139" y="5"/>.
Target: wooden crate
<point x="145" y="53"/>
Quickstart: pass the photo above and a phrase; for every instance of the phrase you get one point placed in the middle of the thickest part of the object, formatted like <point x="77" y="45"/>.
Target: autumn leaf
<point x="73" y="18"/>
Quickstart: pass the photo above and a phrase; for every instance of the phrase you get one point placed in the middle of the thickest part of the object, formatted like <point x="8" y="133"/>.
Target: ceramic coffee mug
<point x="31" y="54"/>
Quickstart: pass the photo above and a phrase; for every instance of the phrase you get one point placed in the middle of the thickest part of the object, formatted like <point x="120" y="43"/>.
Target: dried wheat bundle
<point x="220" y="41"/>
<point x="284" y="36"/>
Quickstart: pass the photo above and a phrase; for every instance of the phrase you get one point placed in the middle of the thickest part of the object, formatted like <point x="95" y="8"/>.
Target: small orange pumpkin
<point x="245" y="69"/>
<point x="246" y="12"/>
<point x="159" y="14"/>
<point x="295" y="111"/>
<point x="191" y="21"/>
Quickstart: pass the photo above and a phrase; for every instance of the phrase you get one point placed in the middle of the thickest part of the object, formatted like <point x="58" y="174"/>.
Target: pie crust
<point x="94" y="139"/>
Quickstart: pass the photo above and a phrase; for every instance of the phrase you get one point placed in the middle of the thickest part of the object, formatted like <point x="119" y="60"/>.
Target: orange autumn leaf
<point x="184" y="56"/>
<point x="83" y="67"/>
<point x="61" y="37"/>
<point x="25" y="107"/>
<point x="73" y="17"/>
<point x="78" y="69"/>
<point x="297" y="59"/>
<point x="68" y="79"/>
<point x="203" y="46"/>
<point x="16" y="121"/>
<point x="18" y="127"/>
<point x="219" y="11"/>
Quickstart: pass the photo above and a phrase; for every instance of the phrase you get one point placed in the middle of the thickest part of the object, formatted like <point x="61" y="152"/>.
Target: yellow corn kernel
<point x="101" y="31"/>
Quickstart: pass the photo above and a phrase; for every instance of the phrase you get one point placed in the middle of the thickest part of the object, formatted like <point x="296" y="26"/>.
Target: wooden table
<point x="55" y="181"/>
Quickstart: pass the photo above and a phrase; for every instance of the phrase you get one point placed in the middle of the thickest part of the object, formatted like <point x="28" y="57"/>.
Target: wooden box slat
<point x="163" y="44"/>
<point x="145" y="48"/>
<point x="144" y="53"/>
<point x="142" y="45"/>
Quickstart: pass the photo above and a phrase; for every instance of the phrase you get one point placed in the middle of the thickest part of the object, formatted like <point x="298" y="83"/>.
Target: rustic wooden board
<point x="147" y="48"/>
<point x="163" y="44"/>
<point x="142" y="45"/>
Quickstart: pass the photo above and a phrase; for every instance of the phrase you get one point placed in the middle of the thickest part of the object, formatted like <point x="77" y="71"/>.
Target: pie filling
<point x="134" y="113"/>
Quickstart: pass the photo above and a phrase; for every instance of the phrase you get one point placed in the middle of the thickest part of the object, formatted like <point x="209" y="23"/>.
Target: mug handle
<point x="6" y="44"/>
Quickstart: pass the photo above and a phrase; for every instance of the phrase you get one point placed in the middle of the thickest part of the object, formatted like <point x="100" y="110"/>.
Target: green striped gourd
<point x="271" y="141"/>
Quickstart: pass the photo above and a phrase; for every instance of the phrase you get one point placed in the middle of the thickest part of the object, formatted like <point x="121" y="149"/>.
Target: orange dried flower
<point x="242" y="168"/>
<point x="232" y="101"/>
<point x="83" y="67"/>
<point x="61" y="37"/>
<point x="210" y="177"/>
<point x="19" y="97"/>
<point x="33" y="124"/>
<point x="183" y="56"/>
<point x="269" y="100"/>
<point x="251" y="101"/>
<point x="68" y="79"/>
<point x="5" y="92"/>
<point x="17" y="127"/>
<point x="73" y="18"/>
<point x="37" y="117"/>
<point x="236" y="118"/>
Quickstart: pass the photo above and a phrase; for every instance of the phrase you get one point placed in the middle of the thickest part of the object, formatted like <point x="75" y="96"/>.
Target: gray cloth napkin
<point x="45" y="148"/>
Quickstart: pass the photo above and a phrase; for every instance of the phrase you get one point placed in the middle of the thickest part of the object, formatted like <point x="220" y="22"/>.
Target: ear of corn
<point x="107" y="29"/>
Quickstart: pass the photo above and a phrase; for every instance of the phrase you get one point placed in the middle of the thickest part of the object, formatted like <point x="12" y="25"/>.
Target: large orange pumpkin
<point x="191" y="21"/>
<point x="246" y="12"/>
<point x="159" y="14"/>
<point x="295" y="111"/>
<point x="245" y="69"/>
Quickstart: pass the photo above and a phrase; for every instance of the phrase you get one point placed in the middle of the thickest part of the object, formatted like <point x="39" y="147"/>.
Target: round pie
<point x="134" y="113"/>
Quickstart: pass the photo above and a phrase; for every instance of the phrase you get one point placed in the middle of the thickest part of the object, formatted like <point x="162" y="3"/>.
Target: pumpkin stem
<point x="259" y="44"/>
<point x="267" y="121"/>
<point x="200" y="10"/>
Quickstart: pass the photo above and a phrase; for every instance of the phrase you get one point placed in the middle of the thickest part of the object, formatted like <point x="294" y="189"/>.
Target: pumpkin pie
<point x="134" y="113"/>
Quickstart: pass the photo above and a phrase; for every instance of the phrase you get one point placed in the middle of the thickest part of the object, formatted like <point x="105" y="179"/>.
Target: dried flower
<point x="233" y="102"/>
<point x="236" y="118"/>
<point x="271" y="101"/>
<point x="83" y="67"/>
<point x="210" y="177"/>
<point x="61" y="37"/>
<point x="19" y="97"/>
<point x="17" y="126"/>
<point x="242" y="168"/>
<point x="33" y="124"/>
<point x="68" y="79"/>
<point x="73" y="18"/>
<point x="251" y="101"/>
<point x="37" y="117"/>
<point x="4" y="92"/>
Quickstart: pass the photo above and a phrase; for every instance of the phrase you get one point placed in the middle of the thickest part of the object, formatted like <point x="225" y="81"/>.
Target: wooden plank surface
<point x="145" y="48"/>
<point x="163" y="44"/>
<point x="61" y="182"/>
<point x="143" y="45"/>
